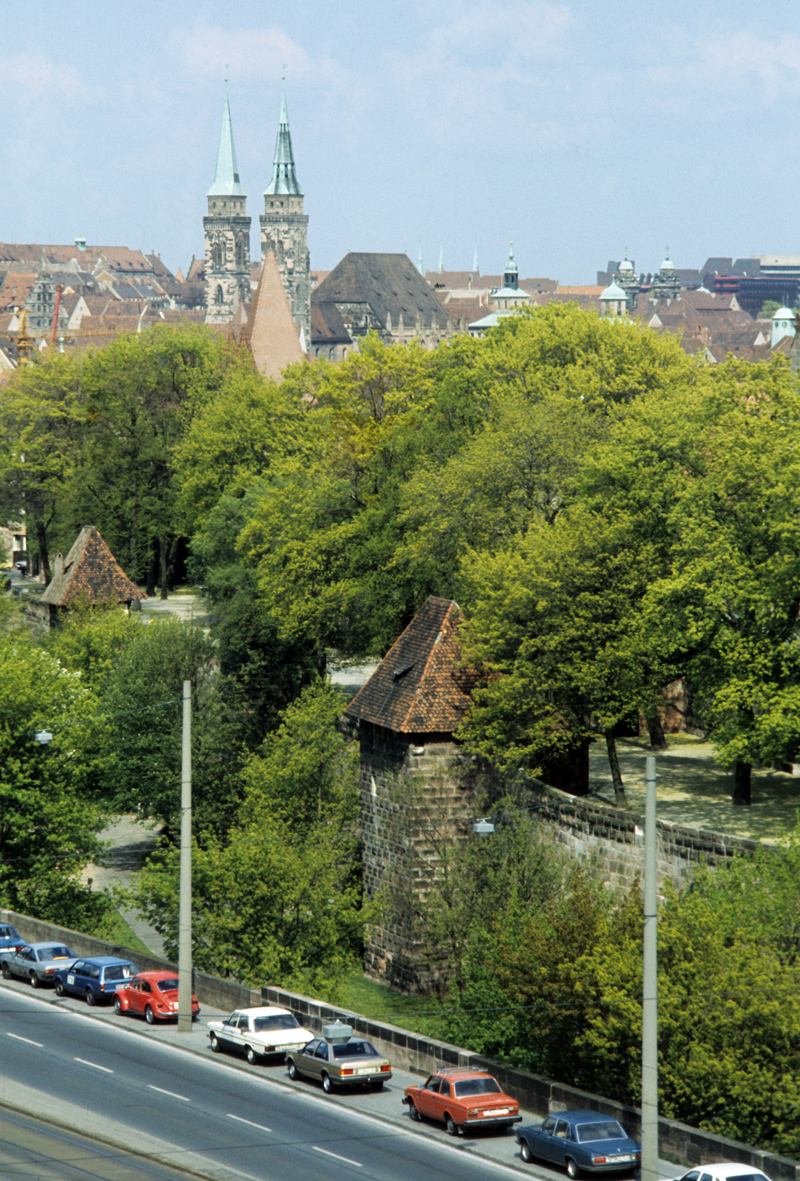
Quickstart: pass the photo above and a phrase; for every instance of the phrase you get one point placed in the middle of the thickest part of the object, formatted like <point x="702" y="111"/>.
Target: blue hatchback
<point x="96" y="979"/>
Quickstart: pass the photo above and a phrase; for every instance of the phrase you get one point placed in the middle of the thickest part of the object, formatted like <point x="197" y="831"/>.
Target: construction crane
<point x="54" y="328"/>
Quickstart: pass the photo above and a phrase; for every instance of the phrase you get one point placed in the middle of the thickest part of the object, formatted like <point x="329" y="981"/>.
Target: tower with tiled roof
<point x="226" y="230"/>
<point x="284" y="228"/>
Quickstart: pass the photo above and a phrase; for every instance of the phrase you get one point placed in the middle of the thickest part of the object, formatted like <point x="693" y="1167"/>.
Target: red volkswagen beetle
<point x="153" y="995"/>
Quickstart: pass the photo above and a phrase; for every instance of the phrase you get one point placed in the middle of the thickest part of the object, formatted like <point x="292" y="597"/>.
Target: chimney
<point x="58" y="564"/>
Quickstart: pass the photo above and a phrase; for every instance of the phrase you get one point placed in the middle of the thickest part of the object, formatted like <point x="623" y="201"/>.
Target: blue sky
<point x="577" y="128"/>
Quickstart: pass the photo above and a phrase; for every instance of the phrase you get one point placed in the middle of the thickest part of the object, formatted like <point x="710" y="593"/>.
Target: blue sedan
<point x="581" y="1141"/>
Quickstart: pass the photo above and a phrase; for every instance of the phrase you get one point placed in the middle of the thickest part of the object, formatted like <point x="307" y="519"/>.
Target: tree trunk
<point x="164" y="563"/>
<point x="620" y="799"/>
<point x="152" y="571"/>
<point x="44" y="557"/>
<point x="741" y="784"/>
<point x="656" y="732"/>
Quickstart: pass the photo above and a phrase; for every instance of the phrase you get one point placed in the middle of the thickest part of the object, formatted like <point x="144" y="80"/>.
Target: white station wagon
<point x="259" y="1032"/>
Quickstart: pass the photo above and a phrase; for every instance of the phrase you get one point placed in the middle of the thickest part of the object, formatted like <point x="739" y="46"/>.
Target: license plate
<point x="365" y="1070"/>
<point x="626" y="1157"/>
<point x="70" y="979"/>
<point x="496" y="1111"/>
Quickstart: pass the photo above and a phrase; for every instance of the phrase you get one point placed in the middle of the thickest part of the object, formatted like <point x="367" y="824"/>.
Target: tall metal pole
<point x="185" y="902"/>
<point x="650" y="985"/>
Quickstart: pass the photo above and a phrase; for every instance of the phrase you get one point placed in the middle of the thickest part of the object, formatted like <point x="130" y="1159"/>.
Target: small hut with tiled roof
<point x="406" y="715"/>
<point x="89" y="574"/>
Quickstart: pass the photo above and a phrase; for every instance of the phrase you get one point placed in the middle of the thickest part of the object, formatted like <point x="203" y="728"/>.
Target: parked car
<point x="580" y="1141"/>
<point x="37" y="962"/>
<point x="724" y="1171"/>
<point x="337" y="1059"/>
<point x="10" y="938"/>
<point x="153" y="995"/>
<point x="462" y="1099"/>
<point x="259" y="1032"/>
<point x="96" y="978"/>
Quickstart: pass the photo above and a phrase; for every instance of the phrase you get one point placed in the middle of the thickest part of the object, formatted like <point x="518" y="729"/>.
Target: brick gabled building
<point x="412" y="770"/>
<point x="89" y="574"/>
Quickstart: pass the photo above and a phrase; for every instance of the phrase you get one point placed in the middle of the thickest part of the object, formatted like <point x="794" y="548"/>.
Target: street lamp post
<point x="650" y="984"/>
<point x="185" y="901"/>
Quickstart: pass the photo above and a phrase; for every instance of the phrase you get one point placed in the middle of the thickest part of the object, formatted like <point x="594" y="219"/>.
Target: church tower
<point x="226" y="231"/>
<point x="284" y="229"/>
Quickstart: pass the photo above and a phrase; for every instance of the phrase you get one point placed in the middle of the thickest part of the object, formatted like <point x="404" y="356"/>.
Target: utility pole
<point x="185" y="901"/>
<point x="650" y="985"/>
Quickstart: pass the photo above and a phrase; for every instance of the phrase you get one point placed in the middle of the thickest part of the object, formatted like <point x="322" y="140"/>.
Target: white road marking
<point x="240" y="1120"/>
<point x="346" y="1159"/>
<point x="94" y="1065"/>
<point x="17" y="1038"/>
<point x="171" y="1094"/>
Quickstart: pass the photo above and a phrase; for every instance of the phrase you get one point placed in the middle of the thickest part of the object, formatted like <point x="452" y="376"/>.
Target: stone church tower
<point x="226" y="231"/>
<point x="284" y="229"/>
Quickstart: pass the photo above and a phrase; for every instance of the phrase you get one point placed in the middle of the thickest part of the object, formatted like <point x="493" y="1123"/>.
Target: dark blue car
<point x="96" y="978"/>
<point x="10" y="938"/>
<point x="580" y="1141"/>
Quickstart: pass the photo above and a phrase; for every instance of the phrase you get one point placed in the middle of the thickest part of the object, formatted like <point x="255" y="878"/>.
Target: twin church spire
<point x="284" y="230"/>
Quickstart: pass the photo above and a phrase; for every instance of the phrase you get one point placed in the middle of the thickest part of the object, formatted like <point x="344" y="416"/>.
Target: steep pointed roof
<point x="284" y="177"/>
<point x="271" y="332"/>
<point x="420" y="686"/>
<point x="90" y="572"/>
<point x="226" y="179"/>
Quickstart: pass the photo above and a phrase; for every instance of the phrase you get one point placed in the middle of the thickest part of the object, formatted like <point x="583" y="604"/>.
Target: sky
<point x="575" y="129"/>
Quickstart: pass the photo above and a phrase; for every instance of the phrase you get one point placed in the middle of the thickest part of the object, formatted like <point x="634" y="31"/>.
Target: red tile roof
<point x="91" y="572"/>
<point x="420" y="686"/>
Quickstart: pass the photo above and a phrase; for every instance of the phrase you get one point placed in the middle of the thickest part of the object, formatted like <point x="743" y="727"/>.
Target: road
<point x="202" y="1114"/>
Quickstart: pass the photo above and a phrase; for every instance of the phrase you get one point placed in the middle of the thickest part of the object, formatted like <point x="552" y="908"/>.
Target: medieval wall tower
<point x="284" y="229"/>
<point x="226" y="231"/>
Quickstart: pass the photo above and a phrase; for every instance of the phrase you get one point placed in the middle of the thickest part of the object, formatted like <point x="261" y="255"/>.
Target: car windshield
<point x="277" y="1021"/>
<point x="477" y="1086"/>
<point x="119" y="972"/>
<point x="168" y="985"/>
<point x="355" y="1050"/>
<point x="8" y="933"/>
<point x="607" y="1129"/>
<point x="55" y="951"/>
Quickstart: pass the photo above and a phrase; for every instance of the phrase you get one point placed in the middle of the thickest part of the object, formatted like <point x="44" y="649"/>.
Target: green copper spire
<point x="284" y="177"/>
<point x="226" y="181"/>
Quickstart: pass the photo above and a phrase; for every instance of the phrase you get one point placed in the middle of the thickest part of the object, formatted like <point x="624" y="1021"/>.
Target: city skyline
<point x="574" y="130"/>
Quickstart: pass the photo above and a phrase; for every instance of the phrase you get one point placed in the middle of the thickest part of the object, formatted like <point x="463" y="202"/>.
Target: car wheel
<point x="90" y="998"/>
<point x="326" y="1083"/>
<point x="572" y="1169"/>
<point x="118" y="1006"/>
<point x="59" y="988"/>
<point x="214" y="1042"/>
<point x="376" y="1084"/>
<point x="34" y="979"/>
<point x="293" y="1075"/>
<point x="525" y="1151"/>
<point x="6" y="971"/>
<point x="149" y="1015"/>
<point x="412" y="1111"/>
<point x="451" y="1125"/>
<point x="252" y="1057"/>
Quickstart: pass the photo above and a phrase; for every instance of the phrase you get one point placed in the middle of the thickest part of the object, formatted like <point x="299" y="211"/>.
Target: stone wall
<point x="615" y="838"/>
<point x="412" y="802"/>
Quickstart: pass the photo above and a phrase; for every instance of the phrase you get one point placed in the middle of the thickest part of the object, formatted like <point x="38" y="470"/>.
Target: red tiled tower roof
<point x="92" y="573"/>
<point x="420" y="686"/>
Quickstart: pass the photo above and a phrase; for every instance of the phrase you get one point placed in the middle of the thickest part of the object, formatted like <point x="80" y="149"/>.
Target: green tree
<point x="42" y="428"/>
<point x="49" y="815"/>
<point x="280" y="900"/>
<point x="768" y="309"/>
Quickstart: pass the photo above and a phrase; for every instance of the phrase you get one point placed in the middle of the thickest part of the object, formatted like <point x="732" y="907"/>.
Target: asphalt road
<point x="164" y="1094"/>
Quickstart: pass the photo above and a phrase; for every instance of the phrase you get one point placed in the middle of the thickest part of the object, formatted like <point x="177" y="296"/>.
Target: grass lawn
<point x="422" y="1014"/>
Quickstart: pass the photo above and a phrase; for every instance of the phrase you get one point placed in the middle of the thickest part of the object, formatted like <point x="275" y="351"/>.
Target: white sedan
<point x="259" y="1032"/>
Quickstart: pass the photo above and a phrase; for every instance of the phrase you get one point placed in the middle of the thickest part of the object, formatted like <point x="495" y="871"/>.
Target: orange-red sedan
<point x="153" y="995"/>
<point x="462" y="1099"/>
